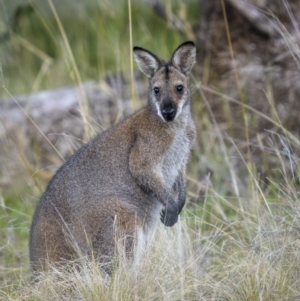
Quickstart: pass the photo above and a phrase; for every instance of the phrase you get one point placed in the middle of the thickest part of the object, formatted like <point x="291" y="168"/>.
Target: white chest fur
<point x="176" y="155"/>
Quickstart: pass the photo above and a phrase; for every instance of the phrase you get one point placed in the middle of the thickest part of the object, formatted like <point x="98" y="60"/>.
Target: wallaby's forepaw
<point x="168" y="218"/>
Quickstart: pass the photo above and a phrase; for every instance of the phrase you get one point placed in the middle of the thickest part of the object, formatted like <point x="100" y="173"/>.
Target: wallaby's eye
<point x="156" y="91"/>
<point x="179" y="89"/>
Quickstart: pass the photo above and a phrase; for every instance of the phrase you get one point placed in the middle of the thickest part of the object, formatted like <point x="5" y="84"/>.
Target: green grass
<point x="240" y="241"/>
<point x="98" y="34"/>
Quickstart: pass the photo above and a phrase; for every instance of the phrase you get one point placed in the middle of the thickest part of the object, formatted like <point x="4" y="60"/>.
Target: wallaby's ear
<point x="147" y="61"/>
<point x="184" y="57"/>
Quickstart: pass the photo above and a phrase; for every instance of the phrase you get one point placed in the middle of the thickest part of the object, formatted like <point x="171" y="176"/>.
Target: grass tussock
<point x="249" y="259"/>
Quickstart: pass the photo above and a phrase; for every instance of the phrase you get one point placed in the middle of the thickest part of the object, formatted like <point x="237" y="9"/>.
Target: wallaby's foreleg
<point x="152" y="183"/>
<point x="180" y="192"/>
<point x="146" y="169"/>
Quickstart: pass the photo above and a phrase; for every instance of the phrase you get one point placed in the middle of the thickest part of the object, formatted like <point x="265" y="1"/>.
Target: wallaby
<point x="132" y="173"/>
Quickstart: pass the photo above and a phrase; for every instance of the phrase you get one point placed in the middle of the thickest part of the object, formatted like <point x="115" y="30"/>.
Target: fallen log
<point x="47" y="127"/>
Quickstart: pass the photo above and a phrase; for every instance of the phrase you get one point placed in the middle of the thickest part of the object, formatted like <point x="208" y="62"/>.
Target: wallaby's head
<point x="168" y="82"/>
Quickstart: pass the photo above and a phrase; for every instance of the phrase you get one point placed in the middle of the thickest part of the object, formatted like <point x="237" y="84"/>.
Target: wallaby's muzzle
<point x="168" y="110"/>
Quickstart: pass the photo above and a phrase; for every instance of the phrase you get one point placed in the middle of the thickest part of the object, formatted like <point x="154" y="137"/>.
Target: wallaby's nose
<point x="168" y="113"/>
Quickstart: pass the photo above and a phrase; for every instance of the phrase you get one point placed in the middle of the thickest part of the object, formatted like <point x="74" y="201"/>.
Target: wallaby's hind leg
<point x="119" y="226"/>
<point x="48" y="245"/>
<point x="113" y="219"/>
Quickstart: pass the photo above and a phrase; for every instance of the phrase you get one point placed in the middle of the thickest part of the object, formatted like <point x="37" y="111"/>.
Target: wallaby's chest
<point x="175" y="156"/>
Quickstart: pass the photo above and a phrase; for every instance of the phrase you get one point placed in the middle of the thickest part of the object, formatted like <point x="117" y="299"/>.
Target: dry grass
<point x="253" y="257"/>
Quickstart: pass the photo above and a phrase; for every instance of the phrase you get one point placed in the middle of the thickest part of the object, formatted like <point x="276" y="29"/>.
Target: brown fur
<point x="124" y="176"/>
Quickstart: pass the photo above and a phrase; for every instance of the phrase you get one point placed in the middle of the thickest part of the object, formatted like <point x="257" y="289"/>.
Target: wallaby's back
<point x="126" y="175"/>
